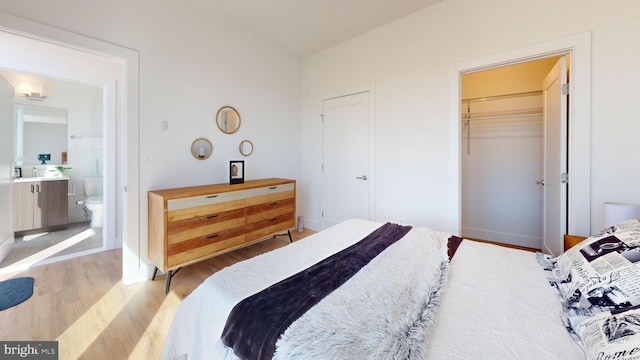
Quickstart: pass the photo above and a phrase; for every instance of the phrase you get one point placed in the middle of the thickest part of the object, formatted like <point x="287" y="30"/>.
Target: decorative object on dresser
<point x="191" y="224"/>
<point x="236" y="172"/>
<point x="201" y="148"/>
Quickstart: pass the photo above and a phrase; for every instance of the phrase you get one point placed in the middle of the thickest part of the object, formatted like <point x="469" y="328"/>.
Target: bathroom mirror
<point x="201" y="149"/>
<point x="39" y="129"/>
<point x="228" y="119"/>
<point x="246" y="147"/>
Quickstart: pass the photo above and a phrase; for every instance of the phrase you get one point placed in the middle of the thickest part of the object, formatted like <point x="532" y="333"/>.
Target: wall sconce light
<point x="26" y="91"/>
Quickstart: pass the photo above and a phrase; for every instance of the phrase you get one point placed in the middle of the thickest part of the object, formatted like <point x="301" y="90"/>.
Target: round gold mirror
<point x="246" y="147"/>
<point x="228" y="120"/>
<point x="201" y="148"/>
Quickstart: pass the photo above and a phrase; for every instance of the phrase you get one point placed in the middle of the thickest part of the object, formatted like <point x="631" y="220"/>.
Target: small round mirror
<point x="201" y="148"/>
<point x="228" y="119"/>
<point x="246" y="147"/>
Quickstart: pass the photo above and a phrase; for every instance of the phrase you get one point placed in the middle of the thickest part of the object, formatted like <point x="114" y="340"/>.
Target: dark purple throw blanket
<point x="255" y="324"/>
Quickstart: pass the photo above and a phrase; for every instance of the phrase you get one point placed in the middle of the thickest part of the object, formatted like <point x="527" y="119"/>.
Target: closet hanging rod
<point x="502" y="117"/>
<point x="507" y="114"/>
<point x="506" y="96"/>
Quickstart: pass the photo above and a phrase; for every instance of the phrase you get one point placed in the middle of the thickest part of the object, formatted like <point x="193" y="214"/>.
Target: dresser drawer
<point x="212" y="222"/>
<point x="266" y="227"/>
<point x="202" y="200"/>
<point x="205" y="230"/>
<point x="270" y="197"/>
<point x="204" y="246"/>
<point x="270" y="209"/>
<point x="266" y="190"/>
<point x="204" y="211"/>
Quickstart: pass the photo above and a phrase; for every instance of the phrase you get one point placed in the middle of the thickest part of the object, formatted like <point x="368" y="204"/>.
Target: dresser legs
<point x="283" y="234"/>
<point x="170" y="275"/>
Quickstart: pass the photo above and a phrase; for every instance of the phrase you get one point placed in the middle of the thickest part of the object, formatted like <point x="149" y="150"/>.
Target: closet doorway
<point x="506" y="155"/>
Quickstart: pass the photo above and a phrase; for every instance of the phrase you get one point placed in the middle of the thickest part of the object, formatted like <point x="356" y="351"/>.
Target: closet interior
<point x="502" y="161"/>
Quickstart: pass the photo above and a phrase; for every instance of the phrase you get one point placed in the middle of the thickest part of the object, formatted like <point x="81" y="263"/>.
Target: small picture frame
<point x="236" y="172"/>
<point x="17" y="172"/>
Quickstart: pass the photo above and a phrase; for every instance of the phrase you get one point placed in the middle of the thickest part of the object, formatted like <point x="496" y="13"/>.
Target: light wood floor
<point x="505" y="245"/>
<point x="83" y="304"/>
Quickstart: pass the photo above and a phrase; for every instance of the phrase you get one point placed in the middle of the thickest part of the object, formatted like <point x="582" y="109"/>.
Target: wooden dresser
<point x="191" y="224"/>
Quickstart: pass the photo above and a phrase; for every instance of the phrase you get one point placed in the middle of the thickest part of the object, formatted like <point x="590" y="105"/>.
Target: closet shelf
<point x="506" y="114"/>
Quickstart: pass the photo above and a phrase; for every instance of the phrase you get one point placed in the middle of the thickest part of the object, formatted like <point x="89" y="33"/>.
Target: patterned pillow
<point x="611" y="335"/>
<point x="599" y="275"/>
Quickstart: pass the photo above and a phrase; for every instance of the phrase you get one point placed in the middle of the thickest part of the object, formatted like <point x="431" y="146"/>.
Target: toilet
<point x="93" y="202"/>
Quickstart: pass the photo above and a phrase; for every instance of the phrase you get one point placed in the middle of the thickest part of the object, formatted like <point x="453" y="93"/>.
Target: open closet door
<point x="6" y="167"/>
<point x="555" y="158"/>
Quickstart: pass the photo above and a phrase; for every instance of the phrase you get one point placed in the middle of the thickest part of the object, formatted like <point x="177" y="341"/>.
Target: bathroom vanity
<point x="40" y="202"/>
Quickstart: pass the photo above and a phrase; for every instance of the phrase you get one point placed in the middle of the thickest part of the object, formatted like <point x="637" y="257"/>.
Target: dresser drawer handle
<point x="274" y="219"/>
<point x="273" y="203"/>
<point x="212" y="236"/>
<point x="273" y="188"/>
<point x="211" y="196"/>
<point x="212" y="216"/>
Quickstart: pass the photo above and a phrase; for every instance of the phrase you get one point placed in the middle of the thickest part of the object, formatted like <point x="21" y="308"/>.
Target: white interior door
<point x="6" y="167"/>
<point x="346" y="155"/>
<point x="555" y="158"/>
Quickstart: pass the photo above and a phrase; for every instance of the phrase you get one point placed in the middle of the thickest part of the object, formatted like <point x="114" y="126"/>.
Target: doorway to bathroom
<point x="58" y="149"/>
<point x="63" y="88"/>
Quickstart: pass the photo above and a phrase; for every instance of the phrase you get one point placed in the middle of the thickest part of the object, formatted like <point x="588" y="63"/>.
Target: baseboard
<point x="502" y="237"/>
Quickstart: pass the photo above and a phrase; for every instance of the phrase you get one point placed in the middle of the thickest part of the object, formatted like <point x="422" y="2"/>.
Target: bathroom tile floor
<point x="45" y="247"/>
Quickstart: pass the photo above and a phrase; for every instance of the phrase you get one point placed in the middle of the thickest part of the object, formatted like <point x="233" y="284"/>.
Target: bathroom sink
<point x="41" y="178"/>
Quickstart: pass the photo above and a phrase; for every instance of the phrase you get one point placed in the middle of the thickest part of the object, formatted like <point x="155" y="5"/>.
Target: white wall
<point x="190" y="65"/>
<point x="410" y="61"/>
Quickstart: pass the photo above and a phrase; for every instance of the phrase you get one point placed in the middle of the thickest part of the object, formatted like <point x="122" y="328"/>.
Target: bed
<point x="497" y="302"/>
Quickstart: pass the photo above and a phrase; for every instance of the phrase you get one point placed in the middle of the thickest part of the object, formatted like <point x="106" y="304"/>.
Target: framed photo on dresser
<point x="236" y="172"/>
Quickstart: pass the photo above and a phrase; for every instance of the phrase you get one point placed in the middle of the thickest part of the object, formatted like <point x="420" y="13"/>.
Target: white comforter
<point x="497" y="305"/>
<point x="201" y="317"/>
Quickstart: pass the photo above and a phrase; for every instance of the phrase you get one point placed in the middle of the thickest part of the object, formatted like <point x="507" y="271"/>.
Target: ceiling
<point x="304" y="27"/>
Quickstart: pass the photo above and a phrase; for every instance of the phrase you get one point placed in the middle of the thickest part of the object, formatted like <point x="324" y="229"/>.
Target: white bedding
<point x="497" y="305"/>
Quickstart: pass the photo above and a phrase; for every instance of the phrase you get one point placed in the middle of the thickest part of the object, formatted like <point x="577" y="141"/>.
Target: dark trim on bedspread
<point x="256" y="323"/>
<point x="452" y="245"/>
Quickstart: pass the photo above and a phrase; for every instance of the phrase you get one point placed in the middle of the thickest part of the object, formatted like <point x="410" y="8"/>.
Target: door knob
<point x="363" y="177"/>
<point x="540" y="182"/>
